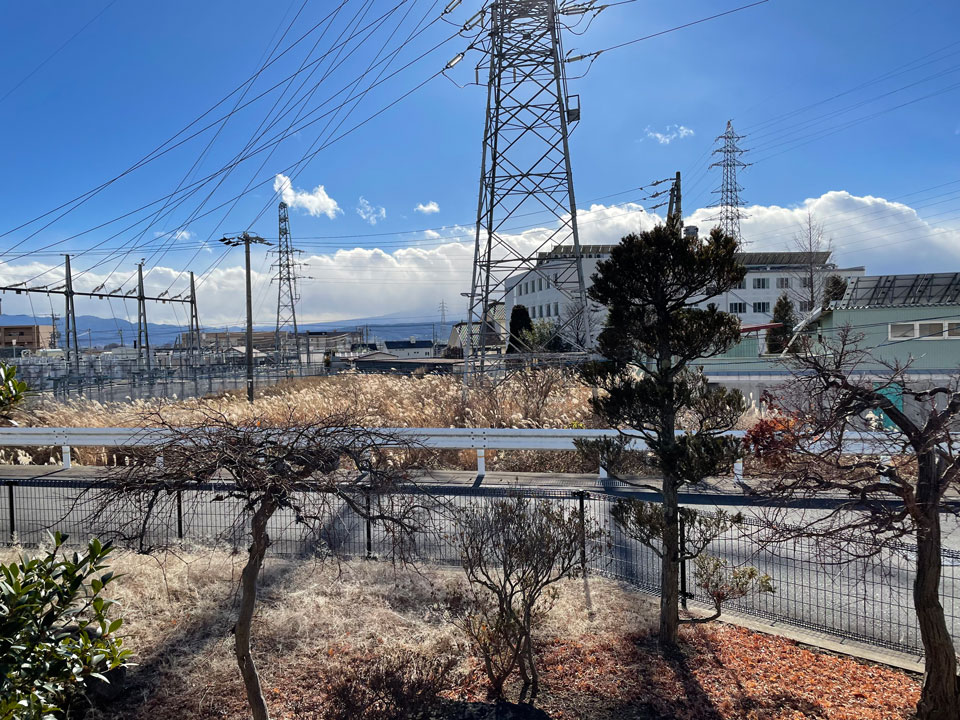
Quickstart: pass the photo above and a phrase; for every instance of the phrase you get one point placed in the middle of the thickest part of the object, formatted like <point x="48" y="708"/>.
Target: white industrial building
<point x="769" y="275"/>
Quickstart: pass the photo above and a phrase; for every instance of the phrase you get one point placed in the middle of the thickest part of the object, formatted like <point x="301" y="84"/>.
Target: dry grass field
<point x="538" y="399"/>
<point x="315" y="618"/>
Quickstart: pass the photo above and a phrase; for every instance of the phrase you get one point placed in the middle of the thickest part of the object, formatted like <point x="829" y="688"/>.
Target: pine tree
<point x="835" y="289"/>
<point x="652" y="285"/>
<point x="778" y="337"/>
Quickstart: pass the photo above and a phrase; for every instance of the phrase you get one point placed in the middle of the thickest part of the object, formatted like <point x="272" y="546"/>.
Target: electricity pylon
<point x="287" y="295"/>
<point x="729" y="190"/>
<point x="525" y="170"/>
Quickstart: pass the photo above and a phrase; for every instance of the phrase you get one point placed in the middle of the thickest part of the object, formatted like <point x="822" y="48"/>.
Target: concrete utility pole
<point x="245" y="239"/>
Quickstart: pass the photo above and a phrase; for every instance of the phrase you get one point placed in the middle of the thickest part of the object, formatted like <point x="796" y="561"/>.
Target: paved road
<point x="868" y="600"/>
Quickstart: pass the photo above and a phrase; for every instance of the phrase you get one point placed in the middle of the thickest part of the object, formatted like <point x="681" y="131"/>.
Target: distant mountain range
<point x="97" y="331"/>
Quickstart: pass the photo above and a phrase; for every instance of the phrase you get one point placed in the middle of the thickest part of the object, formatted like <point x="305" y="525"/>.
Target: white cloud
<point x="671" y="133"/>
<point x="370" y="213"/>
<point x="431" y="234"/>
<point x="176" y="235"/>
<point x="428" y="209"/>
<point x="316" y="203"/>
<point x="887" y="237"/>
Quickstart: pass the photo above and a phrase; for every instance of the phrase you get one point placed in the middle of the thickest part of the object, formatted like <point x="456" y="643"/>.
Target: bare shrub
<point x="513" y="550"/>
<point x="644" y="522"/>
<point x="303" y="466"/>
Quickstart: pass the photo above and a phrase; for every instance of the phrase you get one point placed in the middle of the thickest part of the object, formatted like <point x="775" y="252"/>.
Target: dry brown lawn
<point x="179" y="610"/>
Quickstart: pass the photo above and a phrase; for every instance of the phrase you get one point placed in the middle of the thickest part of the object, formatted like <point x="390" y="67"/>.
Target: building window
<point x="738" y="308"/>
<point x="902" y="331"/>
<point x="761" y="307"/>
<point x="953" y="329"/>
<point x="548" y="309"/>
<point x="742" y="285"/>
<point x="783" y="283"/>
<point x="540" y="284"/>
<point x="931" y="330"/>
<point x="805" y="283"/>
<point x="556" y="309"/>
<point x="540" y="311"/>
<point x="761" y="284"/>
<point x="805" y="306"/>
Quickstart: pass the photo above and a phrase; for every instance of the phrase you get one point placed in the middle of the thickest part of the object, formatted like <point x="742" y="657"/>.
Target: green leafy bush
<point x="55" y="633"/>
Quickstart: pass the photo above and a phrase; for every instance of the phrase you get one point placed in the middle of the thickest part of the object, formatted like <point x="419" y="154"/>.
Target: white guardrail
<point x="479" y="439"/>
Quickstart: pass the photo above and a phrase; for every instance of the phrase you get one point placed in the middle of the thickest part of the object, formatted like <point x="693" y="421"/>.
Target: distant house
<point x="493" y="330"/>
<point x="237" y="355"/>
<point x="913" y="320"/>
<point x="411" y="348"/>
<point x="33" y="337"/>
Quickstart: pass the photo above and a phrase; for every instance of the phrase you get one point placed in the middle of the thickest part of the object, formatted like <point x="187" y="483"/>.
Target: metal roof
<point x="901" y="291"/>
<point x="780" y="259"/>
<point x="401" y="344"/>
<point x="750" y="259"/>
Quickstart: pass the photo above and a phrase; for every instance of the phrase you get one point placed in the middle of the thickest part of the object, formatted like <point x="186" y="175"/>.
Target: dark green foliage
<point x="543" y="336"/>
<point x="651" y="286"/>
<point x="778" y="337"/>
<point x="55" y="633"/>
<point x="834" y="289"/>
<point x="520" y="323"/>
<point x="12" y="391"/>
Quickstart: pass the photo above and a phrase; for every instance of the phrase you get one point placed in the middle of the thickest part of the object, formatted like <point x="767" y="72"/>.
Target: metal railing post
<point x="683" y="563"/>
<point x="13" y="512"/>
<point x="65" y="454"/>
<point x="179" y="516"/>
<point x="369" y="528"/>
<point x="581" y="496"/>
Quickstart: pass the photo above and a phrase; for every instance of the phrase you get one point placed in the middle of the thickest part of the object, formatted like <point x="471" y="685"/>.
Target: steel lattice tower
<point x="525" y="169"/>
<point x="729" y="190"/>
<point x="287" y="295"/>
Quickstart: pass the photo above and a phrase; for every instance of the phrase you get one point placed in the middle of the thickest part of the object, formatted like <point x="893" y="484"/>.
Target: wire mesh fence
<point x="868" y="600"/>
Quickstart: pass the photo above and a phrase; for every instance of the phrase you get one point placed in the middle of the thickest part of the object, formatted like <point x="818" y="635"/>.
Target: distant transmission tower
<point x="442" y="307"/>
<point x="729" y="190"/>
<point x="287" y="296"/>
<point x="525" y="169"/>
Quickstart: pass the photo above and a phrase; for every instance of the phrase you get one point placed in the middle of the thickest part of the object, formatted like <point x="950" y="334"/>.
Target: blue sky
<point x="813" y="85"/>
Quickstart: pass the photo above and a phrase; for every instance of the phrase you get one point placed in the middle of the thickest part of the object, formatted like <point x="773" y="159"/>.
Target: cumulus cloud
<point x="884" y="236"/>
<point x="370" y="213"/>
<point x="316" y="202"/>
<point x="428" y="209"/>
<point x="670" y="133"/>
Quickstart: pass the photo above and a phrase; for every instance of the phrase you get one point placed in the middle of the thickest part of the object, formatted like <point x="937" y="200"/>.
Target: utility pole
<point x="194" y="324"/>
<point x="143" y="333"/>
<point x="675" y="208"/>
<point x="246" y="239"/>
<point x="71" y="319"/>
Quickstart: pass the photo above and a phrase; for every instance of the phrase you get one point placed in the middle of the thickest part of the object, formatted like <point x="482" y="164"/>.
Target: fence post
<point x="13" y="512"/>
<point x="369" y="528"/>
<point x="581" y="496"/>
<point x="683" y="563"/>
<point x="66" y="457"/>
<point x="179" y="516"/>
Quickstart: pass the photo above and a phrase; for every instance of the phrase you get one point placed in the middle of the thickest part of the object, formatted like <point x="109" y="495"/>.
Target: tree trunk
<point x="939" y="699"/>
<point x="670" y="566"/>
<point x="248" y="600"/>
